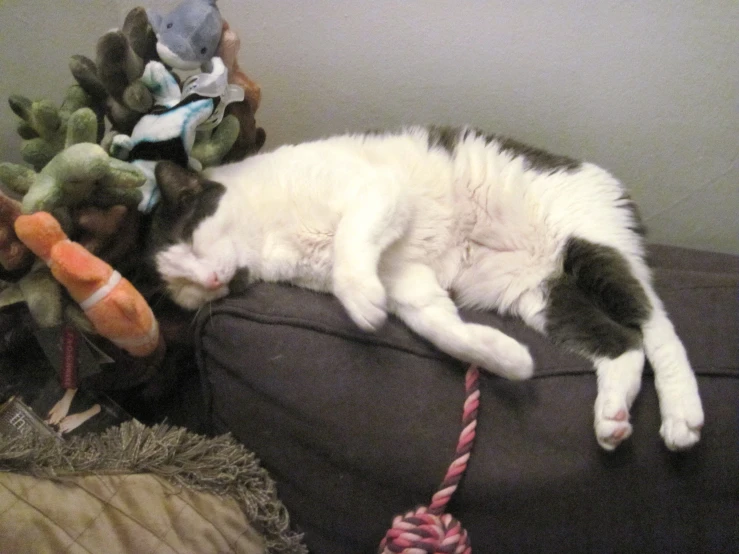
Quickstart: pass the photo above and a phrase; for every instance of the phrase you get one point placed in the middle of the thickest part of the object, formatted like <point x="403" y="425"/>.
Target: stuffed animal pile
<point x="72" y="216"/>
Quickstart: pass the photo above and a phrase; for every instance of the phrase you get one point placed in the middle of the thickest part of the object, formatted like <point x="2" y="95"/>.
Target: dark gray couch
<point x="357" y="428"/>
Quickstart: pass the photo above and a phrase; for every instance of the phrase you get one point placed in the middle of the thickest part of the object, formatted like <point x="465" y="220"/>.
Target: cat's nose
<point x="213" y="282"/>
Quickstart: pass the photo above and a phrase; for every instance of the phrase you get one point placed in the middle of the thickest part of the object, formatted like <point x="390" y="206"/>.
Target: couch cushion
<point x="357" y="428"/>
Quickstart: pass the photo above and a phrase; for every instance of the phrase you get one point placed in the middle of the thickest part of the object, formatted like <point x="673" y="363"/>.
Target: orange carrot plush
<point x="115" y="308"/>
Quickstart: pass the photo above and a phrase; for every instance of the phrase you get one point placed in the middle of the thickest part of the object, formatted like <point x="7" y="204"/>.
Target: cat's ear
<point x="176" y="183"/>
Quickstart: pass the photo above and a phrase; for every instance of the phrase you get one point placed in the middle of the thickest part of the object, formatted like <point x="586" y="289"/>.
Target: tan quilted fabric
<point x="128" y="513"/>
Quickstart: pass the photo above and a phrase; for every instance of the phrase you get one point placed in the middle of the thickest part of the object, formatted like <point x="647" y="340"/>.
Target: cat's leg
<point x="619" y="381"/>
<point x="575" y="320"/>
<point x="596" y="305"/>
<point x="674" y="379"/>
<point x="418" y="299"/>
<point x="570" y="318"/>
<point x="605" y="305"/>
<point x="376" y="218"/>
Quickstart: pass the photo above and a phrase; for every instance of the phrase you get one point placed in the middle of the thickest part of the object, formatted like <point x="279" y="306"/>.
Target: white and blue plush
<point x="169" y="131"/>
<point x="188" y="36"/>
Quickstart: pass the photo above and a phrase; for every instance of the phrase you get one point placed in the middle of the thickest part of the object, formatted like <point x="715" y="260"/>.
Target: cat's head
<point x="191" y="252"/>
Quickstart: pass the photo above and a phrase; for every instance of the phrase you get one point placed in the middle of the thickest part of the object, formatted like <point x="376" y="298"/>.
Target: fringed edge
<point x="217" y="465"/>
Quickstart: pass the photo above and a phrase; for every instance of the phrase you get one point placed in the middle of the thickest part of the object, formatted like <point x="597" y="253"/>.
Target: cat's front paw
<point x="365" y="301"/>
<point x="499" y="353"/>
<point x="612" y="425"/>
<point x="681" y="428"/>
<point x="517" y="363"/>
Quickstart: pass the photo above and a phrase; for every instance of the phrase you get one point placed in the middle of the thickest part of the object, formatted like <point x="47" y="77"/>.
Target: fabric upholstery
<point x="357" y="427"/>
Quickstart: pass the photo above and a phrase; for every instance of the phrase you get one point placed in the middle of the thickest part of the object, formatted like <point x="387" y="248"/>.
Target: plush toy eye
<point x="203" y="50"/>
<point x="169" y="25"/>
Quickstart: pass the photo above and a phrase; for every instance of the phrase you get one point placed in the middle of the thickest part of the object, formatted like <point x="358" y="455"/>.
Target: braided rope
<point x="70" y="341"/>
<point x="430" y="530"/>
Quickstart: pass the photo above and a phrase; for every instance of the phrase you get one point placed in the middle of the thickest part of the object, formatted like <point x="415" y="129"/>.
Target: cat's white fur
<point x="389" y="225"/>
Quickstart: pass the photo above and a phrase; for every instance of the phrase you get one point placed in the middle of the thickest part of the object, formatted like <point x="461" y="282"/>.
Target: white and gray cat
<point x="404" y="222"/>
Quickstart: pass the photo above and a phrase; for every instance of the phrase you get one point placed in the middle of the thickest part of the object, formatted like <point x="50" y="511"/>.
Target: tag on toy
<point x="213" y="85"/>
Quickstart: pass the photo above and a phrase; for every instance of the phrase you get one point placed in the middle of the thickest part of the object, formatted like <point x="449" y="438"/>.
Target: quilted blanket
<point x="156" y="490"/>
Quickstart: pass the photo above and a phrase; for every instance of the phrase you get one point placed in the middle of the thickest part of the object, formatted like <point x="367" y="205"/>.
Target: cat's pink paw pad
<point x="612" y="425"/>
<point x="611" y="432"/>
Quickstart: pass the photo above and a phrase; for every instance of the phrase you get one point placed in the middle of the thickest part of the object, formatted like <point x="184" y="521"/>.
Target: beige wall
<point x="649" y="89"/>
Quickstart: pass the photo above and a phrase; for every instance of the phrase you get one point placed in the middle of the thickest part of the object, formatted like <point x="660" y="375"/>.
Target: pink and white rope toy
<point x="428" y="530"/>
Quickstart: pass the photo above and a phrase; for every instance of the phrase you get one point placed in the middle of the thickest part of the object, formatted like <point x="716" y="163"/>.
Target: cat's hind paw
<point x="612" y="425"/>
<point x="683" y="421"/>
<point x="678" y="434"/>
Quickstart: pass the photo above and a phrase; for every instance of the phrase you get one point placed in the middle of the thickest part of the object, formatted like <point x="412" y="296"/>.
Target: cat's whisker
<point x="195" y="315"/>
<point x="159" y="297"/>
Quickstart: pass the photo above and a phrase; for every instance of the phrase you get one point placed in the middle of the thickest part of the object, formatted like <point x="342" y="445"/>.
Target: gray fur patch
<point x="187" y="200"/>
<point x="535" y="158"/>
<point x="445" y="137"/>
<point x="638" y="225"/>
<point x="596" y="306"/>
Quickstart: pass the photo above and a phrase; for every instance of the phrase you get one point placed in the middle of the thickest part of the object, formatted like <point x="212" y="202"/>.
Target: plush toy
<point x="169" y="133"/>
<point x="40" y="292"/>
<point x="188" y="36"/>
<point x="113" y="80"/>
<point x="110" y="233"/>
<point x="251" y="138"/>
<point x="115" y="308"/>
<point x="77" y="184"/>
<point x="228" y="51"/>
<point x="13" y="253"/>
<point x="46" y="129"/>
<point x="80" y="173"/>
<point x="78" y="208"/>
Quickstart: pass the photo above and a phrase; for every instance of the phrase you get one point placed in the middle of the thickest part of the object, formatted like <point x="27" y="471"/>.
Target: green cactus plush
<point x="212" y="146"/>
<point x="47" y="129"/>
<point x="80" y="173"/>
<point x="42" y="294"/>
<point x="113" y="80"/>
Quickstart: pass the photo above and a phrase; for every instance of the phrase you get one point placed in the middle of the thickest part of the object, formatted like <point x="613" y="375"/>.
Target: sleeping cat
<point x="404" y="222"/>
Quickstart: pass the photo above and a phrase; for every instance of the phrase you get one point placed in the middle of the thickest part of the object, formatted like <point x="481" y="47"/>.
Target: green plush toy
<point x="47" y="129"/>
<point x="93" y="195"/>
<point x="211" y="147"/>
<point x="113" y="80"/>
<point x="80" y="173"/>
<point x="80" y="178"/>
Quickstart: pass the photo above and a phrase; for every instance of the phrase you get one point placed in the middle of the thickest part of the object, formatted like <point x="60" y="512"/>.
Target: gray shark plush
<point x="188" y="36"/>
